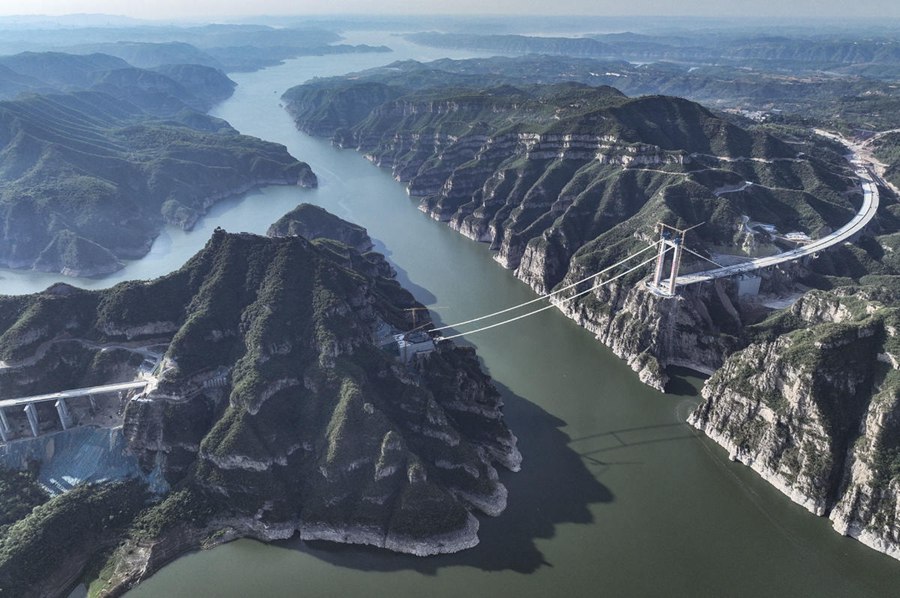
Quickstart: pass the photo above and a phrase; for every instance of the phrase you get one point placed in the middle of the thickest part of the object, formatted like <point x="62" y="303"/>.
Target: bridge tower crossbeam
<point x="670" y="238"/>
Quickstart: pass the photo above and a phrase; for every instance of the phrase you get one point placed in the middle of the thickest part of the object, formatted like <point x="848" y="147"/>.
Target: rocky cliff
<point x="282" y="405"/>
<point x="564" y="180"/>
<point x="567" y="184"/>
<point x="277" y="382"/>
<point x="812" y="406"/>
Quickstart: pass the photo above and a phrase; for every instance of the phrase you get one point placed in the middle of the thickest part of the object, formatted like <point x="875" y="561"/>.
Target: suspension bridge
<point x="663" y="283"/>
<point x="672" y="241"/>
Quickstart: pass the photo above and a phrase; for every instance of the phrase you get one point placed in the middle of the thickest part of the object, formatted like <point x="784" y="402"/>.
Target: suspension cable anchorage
<point x="551" y="294"/>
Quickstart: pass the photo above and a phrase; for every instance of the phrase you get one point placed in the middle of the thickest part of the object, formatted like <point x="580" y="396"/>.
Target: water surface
<point x="617" y="496"/>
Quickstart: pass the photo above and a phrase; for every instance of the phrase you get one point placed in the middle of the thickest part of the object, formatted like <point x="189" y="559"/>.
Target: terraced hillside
<point x="278" y="408"/>
<point x="89" y="177"/>
<point x="564" y="179"/>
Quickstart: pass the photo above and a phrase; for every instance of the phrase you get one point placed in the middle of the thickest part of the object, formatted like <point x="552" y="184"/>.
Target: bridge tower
<point x="669" y="238"/>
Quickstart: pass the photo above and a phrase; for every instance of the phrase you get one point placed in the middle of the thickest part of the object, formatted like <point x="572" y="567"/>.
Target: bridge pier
<point x="4" y="426"/>
<point x="93" y="403"/>
<point x="748" y="285"/>
<point x="31" y="414"/>
<point x="65" y="418"/>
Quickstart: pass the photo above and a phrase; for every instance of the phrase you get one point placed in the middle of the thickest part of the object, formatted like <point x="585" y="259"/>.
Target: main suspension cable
<point x="548" y="295"/>
<point x="552" y="305"/>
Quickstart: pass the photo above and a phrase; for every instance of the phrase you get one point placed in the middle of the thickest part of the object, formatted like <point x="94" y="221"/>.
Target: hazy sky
<point x="212" y="9"/>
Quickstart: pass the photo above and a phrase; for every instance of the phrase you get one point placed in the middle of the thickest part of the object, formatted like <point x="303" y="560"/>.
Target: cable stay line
<point x="552" y="305"/>
<point x="548" y="295"/>
<point x="714" y="263"/>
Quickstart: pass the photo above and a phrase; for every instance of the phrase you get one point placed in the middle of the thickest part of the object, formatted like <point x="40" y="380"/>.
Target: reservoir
<point x="617" y="495"/>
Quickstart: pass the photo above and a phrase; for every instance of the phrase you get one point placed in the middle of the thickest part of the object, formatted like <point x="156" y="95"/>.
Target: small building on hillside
<point x="404" y="346"/>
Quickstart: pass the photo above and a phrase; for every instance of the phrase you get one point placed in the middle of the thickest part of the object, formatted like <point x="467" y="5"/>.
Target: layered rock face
<point x="697" y="329"/>
<point x="565" y="180"/>
<point x="279" y="398"/>
<point x="89" y="177"/>
<point x="813" y="407"/>
<point x="278" y="403"/>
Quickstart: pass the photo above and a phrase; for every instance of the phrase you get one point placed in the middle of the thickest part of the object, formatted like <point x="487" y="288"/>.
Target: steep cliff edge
<point x="812" y="407"/>
<point x="282" y="404"/>
<point x="564" y="180"/>
<point x="695" y="329"/>
<point x="276" y="382"/>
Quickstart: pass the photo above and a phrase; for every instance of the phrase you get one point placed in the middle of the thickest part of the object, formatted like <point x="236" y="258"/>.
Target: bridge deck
<point x="70" y="394"/>
<point x="857" y="223"/>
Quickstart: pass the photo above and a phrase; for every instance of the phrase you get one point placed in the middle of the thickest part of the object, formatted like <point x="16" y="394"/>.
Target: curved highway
<point x="866" y="213"/>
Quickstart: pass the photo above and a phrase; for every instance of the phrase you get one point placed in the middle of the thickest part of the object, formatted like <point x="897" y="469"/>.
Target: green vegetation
<point x="19" y="494"/>
<point x="188" y="506"/>
<point x="313" y="222"/>
<point x="287" y="412"/>
<point x="887" y="150"/>
<point x="90" y="177"/>
<point x="63" y="533"/>
<point x="571" y="173"/>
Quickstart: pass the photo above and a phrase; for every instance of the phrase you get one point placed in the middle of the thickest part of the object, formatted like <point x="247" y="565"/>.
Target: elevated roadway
<point x="862" y="218"/>
<point x="71" y="394"/>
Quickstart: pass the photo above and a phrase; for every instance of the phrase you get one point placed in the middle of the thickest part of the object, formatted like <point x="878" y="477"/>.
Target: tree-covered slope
<point x="282" y="405"/>
<point x="165" y="90"/>
<point x="565" y="178"/>
<point x="89" y="179"/>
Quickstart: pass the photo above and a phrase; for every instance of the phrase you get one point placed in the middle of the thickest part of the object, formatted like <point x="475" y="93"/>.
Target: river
<point x="617" y="496"/>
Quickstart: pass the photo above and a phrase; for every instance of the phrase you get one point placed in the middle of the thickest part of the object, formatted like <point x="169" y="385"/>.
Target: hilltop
<point x="91" y="172"/>
<point x="565" y="178"/>
<point x="282" y="406"/>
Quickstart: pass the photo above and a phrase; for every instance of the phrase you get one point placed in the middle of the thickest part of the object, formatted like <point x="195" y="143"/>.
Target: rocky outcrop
<point x="565" y="180"/>
<point x="282" y="406"/>
<point x="812" y="407"/>
<point x="651" y="332"/>
<point x="322" y="433"/>
<point x="313" y="222"/>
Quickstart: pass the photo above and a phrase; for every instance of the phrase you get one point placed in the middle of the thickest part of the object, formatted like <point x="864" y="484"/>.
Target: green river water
<point x="616" y="497"/>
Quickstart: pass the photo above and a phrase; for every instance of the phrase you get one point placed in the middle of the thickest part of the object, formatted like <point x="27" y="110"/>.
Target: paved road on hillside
<point x="860" y="220"/>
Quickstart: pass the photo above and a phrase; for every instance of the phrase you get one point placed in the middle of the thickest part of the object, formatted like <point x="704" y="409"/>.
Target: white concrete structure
<point x="76" y="392"/>
<point x="59" y="399"/>
<point x="845" y="233"/>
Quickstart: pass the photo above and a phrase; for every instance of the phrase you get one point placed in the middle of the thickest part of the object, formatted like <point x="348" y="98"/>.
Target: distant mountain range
<point x="230" y="48"/>
<point x="96" y="156"/>
<point x="817" y="52"/>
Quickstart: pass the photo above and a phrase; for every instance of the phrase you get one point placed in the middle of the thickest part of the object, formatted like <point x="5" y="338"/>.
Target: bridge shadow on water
<point x="554" y="487"/>
<point x="614" y="440"/>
